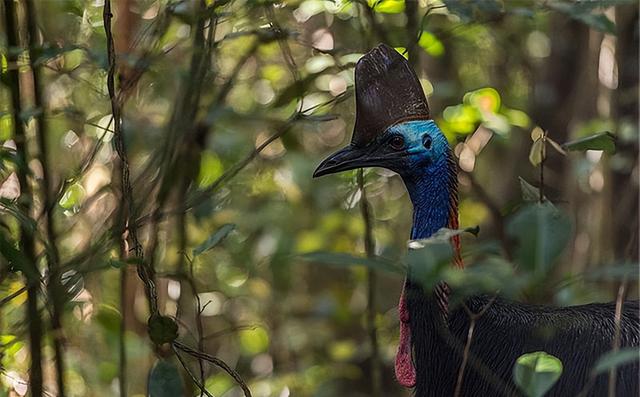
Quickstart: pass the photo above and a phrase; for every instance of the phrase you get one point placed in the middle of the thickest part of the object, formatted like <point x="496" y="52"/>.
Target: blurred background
<point x="223" y="109"/>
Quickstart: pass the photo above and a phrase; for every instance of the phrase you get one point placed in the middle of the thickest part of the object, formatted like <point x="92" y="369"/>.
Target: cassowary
<point x="393" y="129"/>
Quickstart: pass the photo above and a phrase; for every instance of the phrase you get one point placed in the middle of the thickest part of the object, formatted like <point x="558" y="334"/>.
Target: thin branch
<point x="217" y="362"/>
<point x="200" y="383"/>
<point x="129" y="229"/>
<point x="616" y="338"/>
<point x="467" y="347"/>
<point x="369" y="246"/>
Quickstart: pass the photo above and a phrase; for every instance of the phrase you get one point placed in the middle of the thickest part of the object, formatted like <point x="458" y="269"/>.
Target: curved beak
<point x="349" y="158"/>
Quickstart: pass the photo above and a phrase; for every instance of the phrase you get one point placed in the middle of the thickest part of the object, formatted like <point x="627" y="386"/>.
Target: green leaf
<point x="604" y="141"/>
<point x="348" y="260"/>
<point x="165" y="380"/>
<point x="109" y="319"/>
<point x="529" y="192"/>
<point x="431" y="44"/>
<point x="72" y="197"/>
<point x="541" y="232"/>
<point x="162" y="329"/>
<point x="210" y="169"/>
<point x="614" y="359"/>
<point x="537" y="153"/>
<point x="535" y="373"/>
<point x="214" y="239"/>
<point x="387" y="6"/>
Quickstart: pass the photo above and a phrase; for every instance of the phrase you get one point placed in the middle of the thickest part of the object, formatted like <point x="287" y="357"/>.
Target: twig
<point x="369" y="246"/>
<point x="12" y="296"/>
<point x="27" y="242"/>
<point x="467" y="347"/>
<point x="616" y="337"/>
<point x="215" y="361"/>
<point x="126" y="229"/>
<point x="230" y="330"/>
<point x="200" y="384"/>
<point x="542" y="158"/>
<point x="129" y="229"/>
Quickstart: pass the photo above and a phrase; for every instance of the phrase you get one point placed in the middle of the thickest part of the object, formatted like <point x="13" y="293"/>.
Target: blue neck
<point x="430" y="195"/>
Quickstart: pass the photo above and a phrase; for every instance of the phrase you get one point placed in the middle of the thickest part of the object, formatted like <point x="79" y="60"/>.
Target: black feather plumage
<point x="577" y="335"/>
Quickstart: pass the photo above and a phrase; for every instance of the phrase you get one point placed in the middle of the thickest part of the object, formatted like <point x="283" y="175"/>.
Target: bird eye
<point x="426" y="141"/>
<point x="397" y="142"/>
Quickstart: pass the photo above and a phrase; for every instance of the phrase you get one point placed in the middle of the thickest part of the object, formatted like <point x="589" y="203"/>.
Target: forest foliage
<point x="160" y="230"/>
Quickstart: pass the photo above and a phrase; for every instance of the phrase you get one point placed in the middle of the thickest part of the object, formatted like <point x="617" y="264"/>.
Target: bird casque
<point x="394" y="130"/>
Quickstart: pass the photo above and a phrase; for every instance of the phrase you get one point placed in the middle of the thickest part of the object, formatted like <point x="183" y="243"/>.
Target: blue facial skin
<point x="422" y="162"/>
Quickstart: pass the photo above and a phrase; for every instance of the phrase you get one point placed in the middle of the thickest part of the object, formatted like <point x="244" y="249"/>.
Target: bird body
<point x="394" y="130"/>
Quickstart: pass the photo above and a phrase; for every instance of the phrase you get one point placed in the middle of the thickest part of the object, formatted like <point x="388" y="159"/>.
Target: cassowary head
<point x="393" y="127"/>
<point x="394" y="130"/>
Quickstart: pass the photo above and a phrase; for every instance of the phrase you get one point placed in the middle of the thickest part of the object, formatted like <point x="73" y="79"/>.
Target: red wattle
<point x="405" y="372"/>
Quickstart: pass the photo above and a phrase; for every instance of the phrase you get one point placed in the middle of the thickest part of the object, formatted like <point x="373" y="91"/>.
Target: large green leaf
<point x="165" y="380"/>
<point x="541" y="232"/>
<point x="347" y="260"/>
<point x="614" y="359"/>
<point x="535" y="373"/>
<point x="602" y="141"/>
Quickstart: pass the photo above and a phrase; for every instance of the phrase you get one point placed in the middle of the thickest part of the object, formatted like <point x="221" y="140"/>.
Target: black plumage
<point x="577" y="335"/>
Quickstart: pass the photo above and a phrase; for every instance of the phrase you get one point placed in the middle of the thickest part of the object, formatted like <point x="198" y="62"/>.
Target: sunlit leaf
<point x="210" y="169"/>
<point x="165" y="380"/>
<point x="431" y="44"/>
<point x="537" y="134"/>
<point x="72" y="197"/>
<point x="604" y="141"/>
<point x="254" y="341"/>
<point x="387" y="6"/>
<point x="538" y="152"/>
<point x="614" y="359"/>
<point x="484" y="99"/>
<point x="535" y="373"/>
